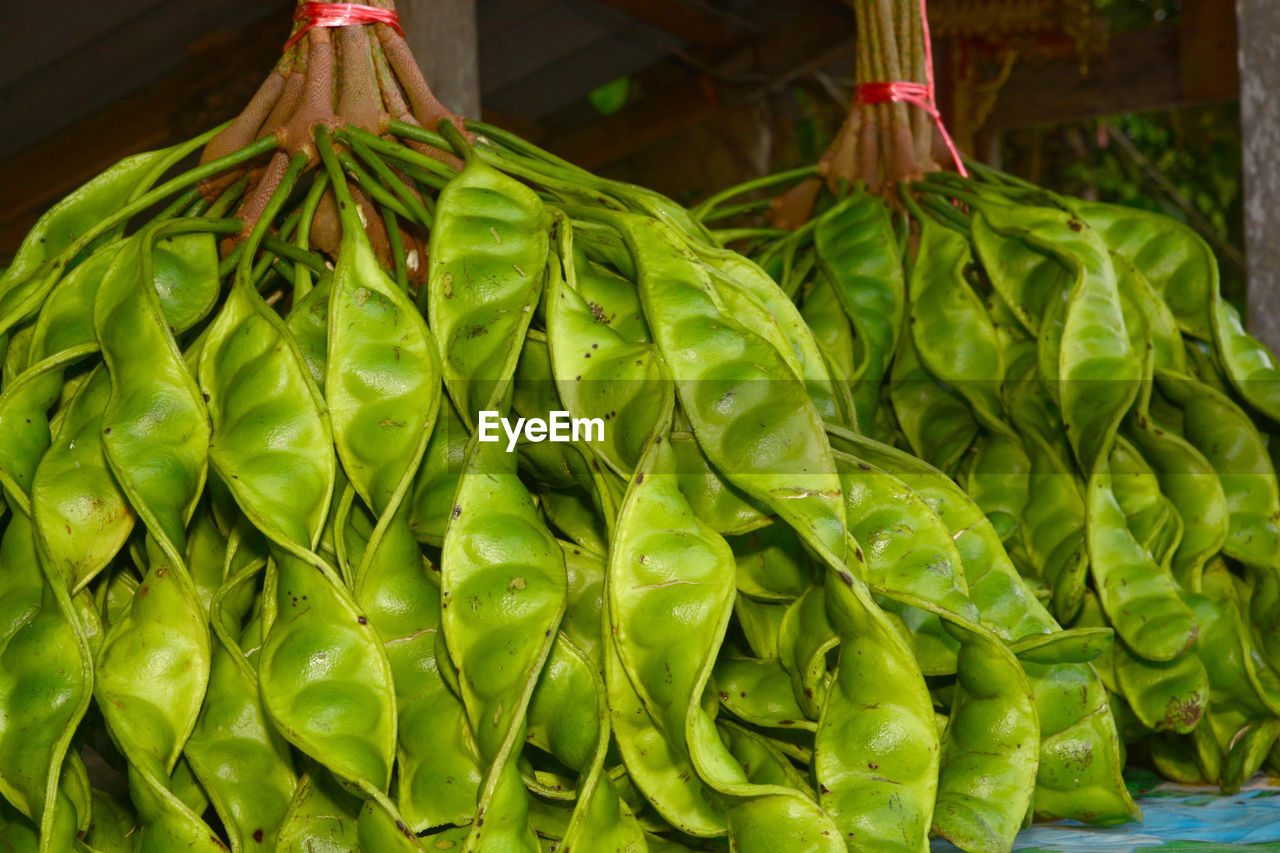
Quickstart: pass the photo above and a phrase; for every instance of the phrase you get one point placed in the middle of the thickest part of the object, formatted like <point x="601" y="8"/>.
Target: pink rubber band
<point x="340" y="15"/>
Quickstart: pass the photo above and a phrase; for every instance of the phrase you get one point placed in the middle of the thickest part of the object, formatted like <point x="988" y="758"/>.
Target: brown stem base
<point x="344" y="77"/>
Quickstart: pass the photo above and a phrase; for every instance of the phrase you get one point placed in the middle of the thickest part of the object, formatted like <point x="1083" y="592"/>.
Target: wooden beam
<point x="1139" y="74"/>
<point x="1260" y="123"/>
<point x="1207" y="48"/>
<point x="442" y="35"/>
<point x="694" y="26"/>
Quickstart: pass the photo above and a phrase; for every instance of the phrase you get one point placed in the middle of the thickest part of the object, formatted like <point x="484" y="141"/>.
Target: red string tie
<point x="340" y="15"/>
<point x="917" y="94"/>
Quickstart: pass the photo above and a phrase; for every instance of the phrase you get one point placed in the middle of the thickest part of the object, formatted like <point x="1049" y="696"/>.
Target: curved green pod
<point x="935" y="419"/>
<point x="503" y="595"/>
<point x="480" y="302"/>
<point x="1234" y="448"/>
<point x="1070" y="699"/>
<point x="241" y="761"/>
<point x="676" y="572"/>
<point x="987" y="768"/>
<point x="876" y="751"/>
<point x="598" y="372"/>
<point x="832" y="399"/>
<point x="735" y="389"/>
<point x="953" y="334"/>
<point x="858" y="252"/>
<point x="50" y="249"/>
<point x="341" y="713"/>
<point x="154" y="664"/>
<point x="81" y="516"/>
<point x="759" y="692"/>
<point x="47" y="682"/>
<point x="804" y="638"/>
<point x="568" y="716"/>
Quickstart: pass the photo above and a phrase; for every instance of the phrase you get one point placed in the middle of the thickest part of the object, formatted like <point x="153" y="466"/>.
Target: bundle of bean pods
<point x="265" y="554"/>
<point x="1073" y="366"/>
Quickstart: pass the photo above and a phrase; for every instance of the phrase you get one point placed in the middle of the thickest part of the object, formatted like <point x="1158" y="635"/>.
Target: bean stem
<point x="228" y="197"/>
<point x="302" y="238"/>
<point x="369" y="184"/>
<point x="421" y="209"/>
<point x="403" y="153"/>
<point x="245" y="267"/>
<point x="397" y="248"/>
<point x="702" y="210"/>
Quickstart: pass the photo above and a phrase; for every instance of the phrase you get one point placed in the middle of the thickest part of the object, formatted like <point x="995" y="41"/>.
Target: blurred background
<point x="1136" y="101"/>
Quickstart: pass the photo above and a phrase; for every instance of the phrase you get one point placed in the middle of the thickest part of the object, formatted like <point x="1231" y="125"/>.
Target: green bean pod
<point x="480" y="300"/>
<point x="772" y="564"/>
<point x="598" y="373"/>
<point x="1053" y="522"/>
<point x="45" y="690"/>
<point x="998" y="478"/>
<point x="82" y="517"/>
<point x="954" y="337"/>
<point x="76" y="506"/>
<point x="568" y="716"/>
<point x="432" y="500"/>
<point x="987" y="771"/>
<point x="1190" y="483"/>
<point x="758" y="691"/>
<point x="673" y="571"/>
<point x="154" y="665"/>
<point x="832" y="400"/>
<point x="935" y="419"/>
<point x="1153" y="520"/>
<point x="728" y="509"/>
<point x="45" y="252"/>
<point x="113" y="826"/>
<point x="858" y="251"/>
<point x="876" y="751"/>
<point x="1070" y="700"/>
<point x="1140" y="600"/>
<point x="321" y="816"/>
<point x="655" y="763"/>
<point x="825" y="318"/>
<point x="805" y="637"/>
<point x="383" y="390"/>
<point x="308" y="323"/>
<point x="909" y="551"/>
<point x="324" y="676"/>
<point x="612" y="299"/>
<point x="736" y="391"/>
<point x="1173" y="265"/>
<point x="1233" y="447"/>
<point x="62" y="335"/>
<point x="1027" y="276"/>
<point x="241" y="761"/>
<point x="504" y="589"/>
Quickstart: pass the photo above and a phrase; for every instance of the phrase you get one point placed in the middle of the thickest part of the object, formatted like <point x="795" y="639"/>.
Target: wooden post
<point x="1259" y="22"/>
<point x="442" y="35"/>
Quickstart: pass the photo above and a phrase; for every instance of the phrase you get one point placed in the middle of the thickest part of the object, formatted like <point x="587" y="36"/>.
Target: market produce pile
<point x="255" y="556"/>
<point x="1074" y="367"/>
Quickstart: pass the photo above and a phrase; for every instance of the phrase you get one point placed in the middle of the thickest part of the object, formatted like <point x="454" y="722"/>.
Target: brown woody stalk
<point x="879" y="145"/>
<point x="360" y="76"/>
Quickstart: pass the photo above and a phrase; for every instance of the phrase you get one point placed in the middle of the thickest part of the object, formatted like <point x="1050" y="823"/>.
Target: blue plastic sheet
<point x="1176" y="817"/>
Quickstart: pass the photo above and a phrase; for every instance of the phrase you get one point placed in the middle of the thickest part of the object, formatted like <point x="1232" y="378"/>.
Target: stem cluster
<point x="880" y="145"/>
<point x="360" y="76"/>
